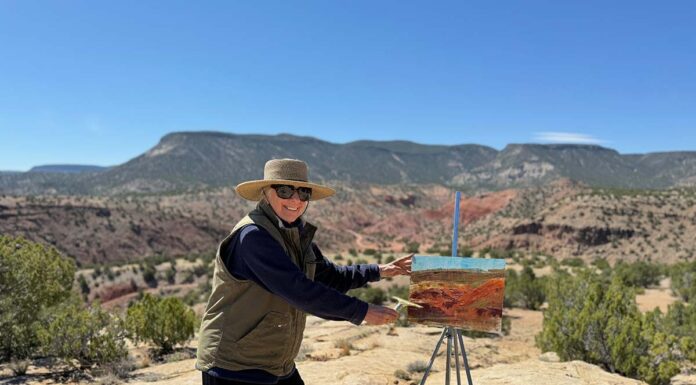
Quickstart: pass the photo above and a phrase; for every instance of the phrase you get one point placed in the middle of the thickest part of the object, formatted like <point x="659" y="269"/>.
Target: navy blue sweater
<point x="254" y="255"/>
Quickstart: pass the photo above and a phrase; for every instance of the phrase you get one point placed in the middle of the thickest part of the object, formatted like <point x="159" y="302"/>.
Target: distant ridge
<point x="193" y="160"/>
<point x="67" y="168"/>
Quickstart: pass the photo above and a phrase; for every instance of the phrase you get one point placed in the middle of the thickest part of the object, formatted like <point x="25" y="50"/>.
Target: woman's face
<point x="286" y="209"/>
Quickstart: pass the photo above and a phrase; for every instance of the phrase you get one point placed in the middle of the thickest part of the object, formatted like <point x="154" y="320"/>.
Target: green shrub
<point x="433" y="250"/>
<point x="163" y="322"/>
<point x="594" y="321"/>
<point x="601" y="264"/>
<point x="505" y="328"/>
<point x="412" y="247"/>
<point x="200" y="269"/>
<point x="573" y="262"/>
<point x="84" y="286"/>
<point x="666" y="350"/>
<point x="170" y="276"/>
<point x="580" y="325"/>
<point x="189" y="277"/>
<point x="638" y="274"/>
<point x="680" y="321"/>
<point x="87" y="335"/>
<point x="683" y="276"/>
<point x="150" y="275"/>
<point x="524" y="290"/>
<point x="373" y="295"/>
<point x="463" y="251"/>
<point x="399" y="291"/>
<point x="32" y="278"/>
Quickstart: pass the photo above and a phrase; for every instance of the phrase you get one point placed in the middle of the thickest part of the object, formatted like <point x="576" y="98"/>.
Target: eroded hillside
<point x="563" y="219"/>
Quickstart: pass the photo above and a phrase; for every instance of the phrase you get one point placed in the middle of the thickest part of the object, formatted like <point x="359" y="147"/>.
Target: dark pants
<point x="295" y="379"/>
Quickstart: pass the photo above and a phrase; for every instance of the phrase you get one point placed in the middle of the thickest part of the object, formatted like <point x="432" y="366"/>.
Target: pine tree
<point x="32" y="278"/>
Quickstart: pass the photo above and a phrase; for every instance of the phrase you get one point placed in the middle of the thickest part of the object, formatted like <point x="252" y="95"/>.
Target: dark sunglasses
<point x="285" y="191"/>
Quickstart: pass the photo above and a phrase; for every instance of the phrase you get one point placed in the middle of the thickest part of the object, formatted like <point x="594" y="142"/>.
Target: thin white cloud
<point x="566" y="137"/>
<point x="93" y="124"/>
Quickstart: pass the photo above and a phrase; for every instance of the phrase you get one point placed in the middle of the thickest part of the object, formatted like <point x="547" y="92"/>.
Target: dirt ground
<point x="343" y="354"/>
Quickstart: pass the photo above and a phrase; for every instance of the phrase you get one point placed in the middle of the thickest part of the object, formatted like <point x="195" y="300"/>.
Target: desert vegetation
<point x="43" y="315"/>
<point x="592" y="316"/>
<point x="606" y="243"/>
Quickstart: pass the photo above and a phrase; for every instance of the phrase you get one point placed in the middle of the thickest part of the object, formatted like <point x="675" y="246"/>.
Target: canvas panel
<point x="466" y="293"/>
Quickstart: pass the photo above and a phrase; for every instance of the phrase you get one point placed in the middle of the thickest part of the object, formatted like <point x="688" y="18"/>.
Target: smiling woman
<point x="288" y="202"/>
<point x="268" y="275"/>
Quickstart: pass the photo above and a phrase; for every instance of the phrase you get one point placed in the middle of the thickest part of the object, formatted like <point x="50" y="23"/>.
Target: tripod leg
<point x="466" y="362"/>
<point x="449" y="353"/>
<point x="432" y="359"/>
<point x="456" y="357"/>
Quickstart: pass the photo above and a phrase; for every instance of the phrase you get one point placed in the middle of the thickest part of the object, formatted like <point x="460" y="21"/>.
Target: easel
<point x="453" y="335"/>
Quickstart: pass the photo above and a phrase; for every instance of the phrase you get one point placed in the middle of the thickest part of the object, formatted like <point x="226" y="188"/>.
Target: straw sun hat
<point x="283" y="171"/>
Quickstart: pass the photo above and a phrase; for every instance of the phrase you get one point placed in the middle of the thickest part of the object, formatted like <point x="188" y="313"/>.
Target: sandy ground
<point x="343" y="354"/>
<point x="660" y="297"/>
<point x="340" y="353"/>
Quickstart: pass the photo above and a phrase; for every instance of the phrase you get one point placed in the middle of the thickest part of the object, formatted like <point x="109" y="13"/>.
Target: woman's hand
<point x="401" y="266"/>
<point x="380" y="315"/>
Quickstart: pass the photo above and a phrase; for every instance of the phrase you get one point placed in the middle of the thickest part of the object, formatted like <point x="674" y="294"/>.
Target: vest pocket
<point x="265" y="344"/>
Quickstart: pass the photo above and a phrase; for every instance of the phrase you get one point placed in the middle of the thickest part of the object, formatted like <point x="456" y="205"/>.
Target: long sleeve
<point x="343" y="278"/>
<point x="256" y="256"/>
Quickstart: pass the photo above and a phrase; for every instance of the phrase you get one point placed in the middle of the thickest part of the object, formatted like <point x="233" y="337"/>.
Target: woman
<point x="268" y="275"/>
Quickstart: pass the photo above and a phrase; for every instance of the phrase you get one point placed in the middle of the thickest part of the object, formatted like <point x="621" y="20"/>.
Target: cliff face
<point x="567" y="220"/>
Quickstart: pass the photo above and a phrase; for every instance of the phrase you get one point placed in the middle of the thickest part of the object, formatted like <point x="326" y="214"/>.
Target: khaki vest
<point x="245" y="326"/>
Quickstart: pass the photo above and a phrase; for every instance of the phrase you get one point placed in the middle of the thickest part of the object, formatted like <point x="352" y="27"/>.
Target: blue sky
<point x="96" y="82"/>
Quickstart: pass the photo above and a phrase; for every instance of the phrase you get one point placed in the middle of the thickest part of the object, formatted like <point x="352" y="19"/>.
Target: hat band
<point x="284" y="178"/>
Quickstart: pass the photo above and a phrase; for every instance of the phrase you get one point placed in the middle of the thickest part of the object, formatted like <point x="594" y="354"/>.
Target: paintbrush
<point x="403" y="303"/>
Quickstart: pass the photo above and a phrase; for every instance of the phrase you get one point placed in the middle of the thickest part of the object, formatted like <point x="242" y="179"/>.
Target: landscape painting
<point x="465" y="293"/>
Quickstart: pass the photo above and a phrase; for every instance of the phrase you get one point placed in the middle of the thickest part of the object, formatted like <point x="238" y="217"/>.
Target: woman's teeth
<point x="291" y="208"/>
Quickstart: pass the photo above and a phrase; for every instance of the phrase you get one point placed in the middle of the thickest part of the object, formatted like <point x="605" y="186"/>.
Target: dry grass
<point x="19" y="367"/>
<point x="304" y="353"/>
<point x="143" y="361"/>
<point x="345" y="345"/>
<point x="320" y="357"/>
<point x="402" y="374"/>
<point x="417" y="366"/>
<point x="108" y="379"/>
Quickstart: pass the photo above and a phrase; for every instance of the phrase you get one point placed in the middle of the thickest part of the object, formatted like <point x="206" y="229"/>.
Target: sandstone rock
<point x="549" y="357"/>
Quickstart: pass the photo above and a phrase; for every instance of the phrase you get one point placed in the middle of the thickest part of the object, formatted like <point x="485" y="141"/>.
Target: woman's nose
<point x="295" y="196"/>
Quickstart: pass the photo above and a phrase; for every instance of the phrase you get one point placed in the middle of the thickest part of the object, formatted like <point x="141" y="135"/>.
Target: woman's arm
<point x="256" y="256"/>
<point x="343" y="278"/>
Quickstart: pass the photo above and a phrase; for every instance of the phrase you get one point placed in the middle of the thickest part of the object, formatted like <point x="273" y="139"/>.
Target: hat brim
<point x="253" y="190"/>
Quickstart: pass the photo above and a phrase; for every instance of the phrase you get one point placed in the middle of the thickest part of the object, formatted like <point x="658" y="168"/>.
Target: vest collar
<point x="305" y="230"/>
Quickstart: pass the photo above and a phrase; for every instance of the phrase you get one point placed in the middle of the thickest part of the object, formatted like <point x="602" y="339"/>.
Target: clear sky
<point x="97" y="82"/>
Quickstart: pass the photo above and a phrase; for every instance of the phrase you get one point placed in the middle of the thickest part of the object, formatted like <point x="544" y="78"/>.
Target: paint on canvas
<point x="466" y="293"/>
